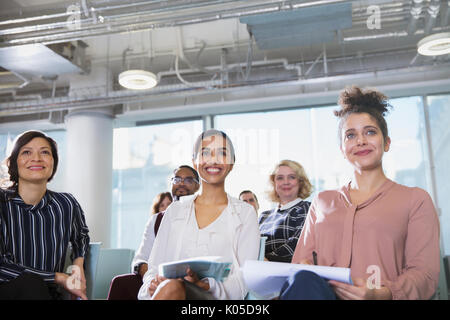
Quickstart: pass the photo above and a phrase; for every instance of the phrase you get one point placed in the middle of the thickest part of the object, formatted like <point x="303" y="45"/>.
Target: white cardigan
<point x="238" y="222"/>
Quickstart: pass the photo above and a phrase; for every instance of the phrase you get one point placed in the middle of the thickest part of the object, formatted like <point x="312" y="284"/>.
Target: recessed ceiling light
<point x="435" y="44"/>
<point x="138" y="79"/>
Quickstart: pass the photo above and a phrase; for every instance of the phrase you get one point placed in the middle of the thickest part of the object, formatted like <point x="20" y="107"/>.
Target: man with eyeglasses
<point x="184" y="181"/>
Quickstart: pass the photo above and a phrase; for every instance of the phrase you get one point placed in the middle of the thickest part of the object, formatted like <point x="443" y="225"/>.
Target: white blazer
<point x="240" y="225"/>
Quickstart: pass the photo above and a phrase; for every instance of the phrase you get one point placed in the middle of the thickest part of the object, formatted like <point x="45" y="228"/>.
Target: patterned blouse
<point x="282" y="227"/>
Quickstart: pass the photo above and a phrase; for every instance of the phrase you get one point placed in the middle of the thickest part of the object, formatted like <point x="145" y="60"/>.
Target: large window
<point x="260" y="141"/>
<point x="439" y="112"/>
<point x="309" y="136"/>
<point x="143" y="161"/>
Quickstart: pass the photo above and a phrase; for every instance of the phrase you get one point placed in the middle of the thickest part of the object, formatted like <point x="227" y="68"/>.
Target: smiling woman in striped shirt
<point x="36" y="226"/>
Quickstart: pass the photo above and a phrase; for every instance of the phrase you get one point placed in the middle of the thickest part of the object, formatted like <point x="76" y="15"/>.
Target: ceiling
<point x="58" y="56"/>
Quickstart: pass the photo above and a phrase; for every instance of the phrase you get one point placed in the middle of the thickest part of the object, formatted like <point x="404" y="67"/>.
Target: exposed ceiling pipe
<point x="123" y="96"/>
<point x="124" y="58"/>
<point x="376" y="36"/>
<point x="416" y="11"/>
<point x="389" y="35"/>
<point x="171" y="17"/>
<point x="207" y="85"/>
<point x="98" y="10"/>
<point x="445" y="14"/>
<point x="231" y="66"/>
<point x="180" y="55"/>
<point x="433" y="12"/>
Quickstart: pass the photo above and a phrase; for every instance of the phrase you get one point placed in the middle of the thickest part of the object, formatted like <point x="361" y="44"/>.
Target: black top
<point x="35" y="238"/>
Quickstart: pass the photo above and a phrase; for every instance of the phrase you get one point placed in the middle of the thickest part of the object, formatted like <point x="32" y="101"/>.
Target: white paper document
<point x="265" y="278"/>
<point x="204" y="267"/>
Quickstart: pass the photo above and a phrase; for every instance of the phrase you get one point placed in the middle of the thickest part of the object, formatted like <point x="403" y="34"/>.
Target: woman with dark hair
<point x="36" y="226"/>
<point x="208" y="223"/>
<point x="161" y="202"/>
<point x="386" y="233"/>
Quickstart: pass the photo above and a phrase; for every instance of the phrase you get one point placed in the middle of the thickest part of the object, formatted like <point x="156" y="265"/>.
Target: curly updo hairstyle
<point x="356" y="100"/>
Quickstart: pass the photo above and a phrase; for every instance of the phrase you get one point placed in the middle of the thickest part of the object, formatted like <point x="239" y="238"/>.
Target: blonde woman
<point x="282" y="225"/>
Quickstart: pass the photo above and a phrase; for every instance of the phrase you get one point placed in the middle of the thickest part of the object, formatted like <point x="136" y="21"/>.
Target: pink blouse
<point x="396" y="231"/>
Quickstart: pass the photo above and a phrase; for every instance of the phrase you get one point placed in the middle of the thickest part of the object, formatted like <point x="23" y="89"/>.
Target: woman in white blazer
<point x="209" y="223"/>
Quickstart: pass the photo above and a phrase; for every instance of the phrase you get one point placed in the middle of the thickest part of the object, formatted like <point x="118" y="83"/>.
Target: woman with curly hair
<point x="386" y="233"/>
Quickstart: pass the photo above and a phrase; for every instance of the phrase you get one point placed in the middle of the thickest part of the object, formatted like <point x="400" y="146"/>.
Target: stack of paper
<point x="265" y="278"/>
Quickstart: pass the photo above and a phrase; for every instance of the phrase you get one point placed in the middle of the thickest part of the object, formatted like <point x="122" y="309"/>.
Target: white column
<point x="89" y="167"/>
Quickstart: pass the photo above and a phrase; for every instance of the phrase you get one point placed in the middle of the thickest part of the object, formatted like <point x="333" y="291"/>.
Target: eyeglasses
<point x="187" y="180"/>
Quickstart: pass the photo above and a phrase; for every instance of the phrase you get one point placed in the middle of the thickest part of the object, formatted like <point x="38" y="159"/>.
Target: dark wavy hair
<point x="356" y="100"/>
<point x="19" y="142"/>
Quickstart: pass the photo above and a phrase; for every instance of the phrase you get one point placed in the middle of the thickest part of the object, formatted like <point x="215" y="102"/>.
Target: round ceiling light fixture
<point x="137" y="79"/>
<point x="435" y="45"/>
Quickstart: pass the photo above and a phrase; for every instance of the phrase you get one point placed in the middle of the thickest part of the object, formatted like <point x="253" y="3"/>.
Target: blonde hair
<point x="305" y="189"/>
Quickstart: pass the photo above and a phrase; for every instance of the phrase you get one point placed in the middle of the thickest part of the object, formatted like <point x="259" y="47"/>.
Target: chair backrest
<point x="262" y="248"/>
<point x="262" y="251"/>
<point x="90" y="265"/>
<point x="111" y="262"/>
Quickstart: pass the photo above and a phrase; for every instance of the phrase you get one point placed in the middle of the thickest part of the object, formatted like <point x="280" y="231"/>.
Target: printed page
<point x="265" y="278"/>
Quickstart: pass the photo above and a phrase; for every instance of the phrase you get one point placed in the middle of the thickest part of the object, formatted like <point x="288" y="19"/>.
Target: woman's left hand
<point x="193" y="278"/>
<point x="359" y="291"/>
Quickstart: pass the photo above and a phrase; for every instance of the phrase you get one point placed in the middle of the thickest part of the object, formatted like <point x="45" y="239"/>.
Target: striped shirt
<point x="35" y="238"/>
<point x="282" y="227"/>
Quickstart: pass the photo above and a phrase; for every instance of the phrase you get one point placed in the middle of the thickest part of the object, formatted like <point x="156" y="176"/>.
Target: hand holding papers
<point x="204" y="267"/>
<point x="266" y="278"/>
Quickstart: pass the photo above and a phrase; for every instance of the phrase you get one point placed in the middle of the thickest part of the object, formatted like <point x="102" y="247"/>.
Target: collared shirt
<point x="234" y="235"/>
<point x="392" y="236"/>
<point x="35" y="238"/>
<point x="289" y="204"/>
<point x="282" y="227"/>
